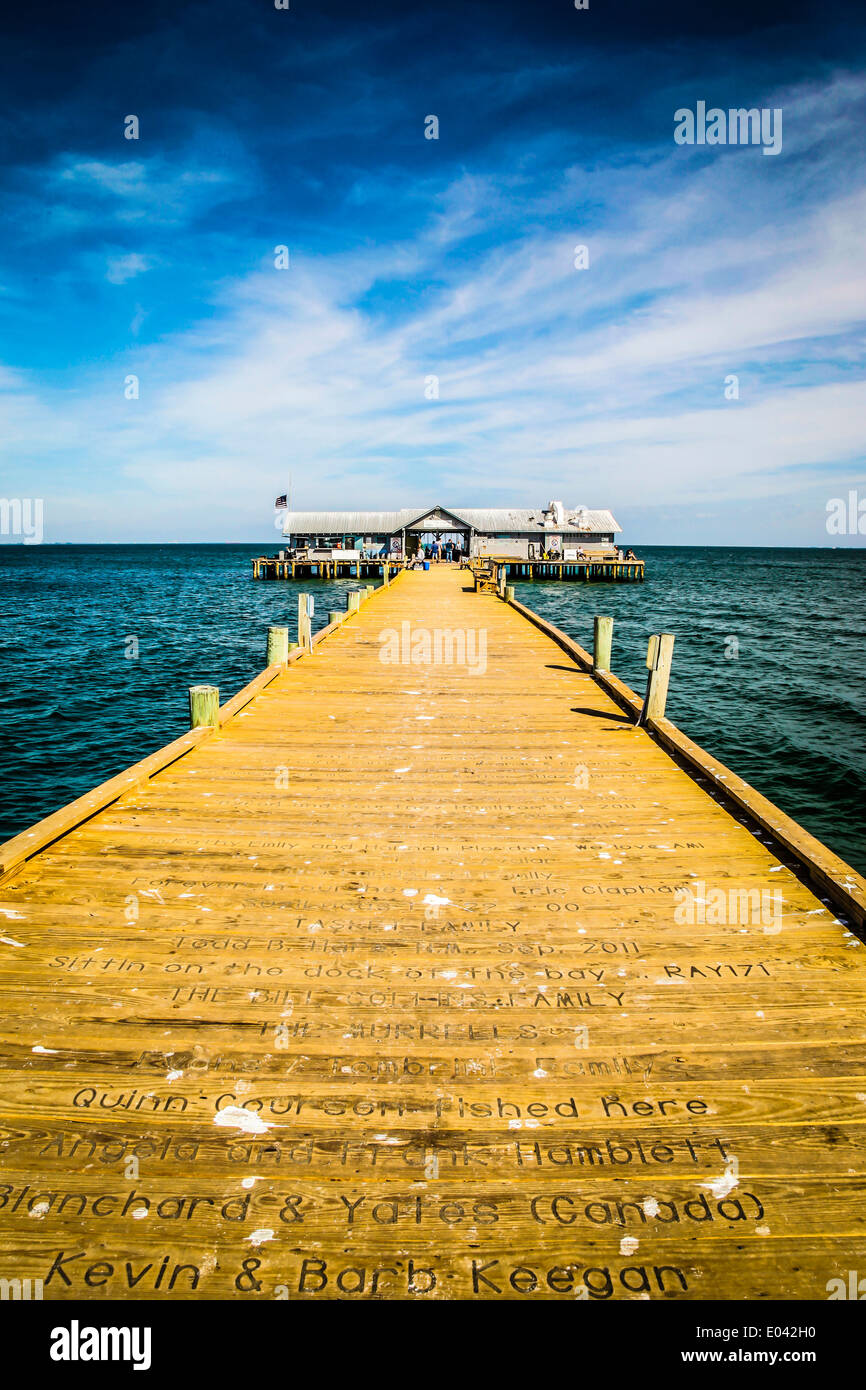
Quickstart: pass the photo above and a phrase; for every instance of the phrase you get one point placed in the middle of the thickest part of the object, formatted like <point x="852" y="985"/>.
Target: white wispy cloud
<point x="155" y="190"/>
<point x="123" y="268"/>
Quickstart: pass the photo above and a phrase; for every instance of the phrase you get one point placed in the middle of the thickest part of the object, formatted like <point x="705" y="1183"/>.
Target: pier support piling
<point x="602" y="638"/>
<point x="658" y="659"/>
<point x="204" y="706"/>
<point x="278" y="645"/>
<point x="305" y="634"/>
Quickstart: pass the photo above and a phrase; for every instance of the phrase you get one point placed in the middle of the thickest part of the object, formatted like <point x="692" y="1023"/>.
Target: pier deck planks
<point x="379" y="992"/>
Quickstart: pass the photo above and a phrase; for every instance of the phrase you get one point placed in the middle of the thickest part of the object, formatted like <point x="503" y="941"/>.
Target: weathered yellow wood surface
<point x="382" y="991"/>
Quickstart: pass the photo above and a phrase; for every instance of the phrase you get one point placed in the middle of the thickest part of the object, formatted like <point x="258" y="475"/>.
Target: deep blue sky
<point x="413" y="258"/>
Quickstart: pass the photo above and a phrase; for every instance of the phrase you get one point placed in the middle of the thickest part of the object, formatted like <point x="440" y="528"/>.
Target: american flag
<point x="282" y="501"/>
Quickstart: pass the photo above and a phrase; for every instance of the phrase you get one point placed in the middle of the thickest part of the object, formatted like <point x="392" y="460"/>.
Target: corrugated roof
<point x="491" y="520"/>
<point x="348" y="523"/>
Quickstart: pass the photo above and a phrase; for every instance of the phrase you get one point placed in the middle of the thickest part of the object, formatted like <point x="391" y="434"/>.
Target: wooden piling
<point x="602" y="638"/>
<point x="278" y="645"/>
<point x="305" y="635"/>
<point x="335" y="617"/>
<point x="353" y="601"/>
<point x="204" y="706"/>
<point x="661" y="649"/>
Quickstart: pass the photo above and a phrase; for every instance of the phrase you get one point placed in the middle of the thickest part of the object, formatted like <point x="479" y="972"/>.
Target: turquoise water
<point x="788" y="713"/>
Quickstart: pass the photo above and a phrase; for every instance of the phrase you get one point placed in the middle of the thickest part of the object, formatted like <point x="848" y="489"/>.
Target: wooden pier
<point x="272" y="567"/>
<point x="586" y="570"/>
<point x="424" y="972"/>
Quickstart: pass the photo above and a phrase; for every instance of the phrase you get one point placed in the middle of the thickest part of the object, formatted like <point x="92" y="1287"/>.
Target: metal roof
<point x="485" y="520"/>
<point x="348" y="523"/>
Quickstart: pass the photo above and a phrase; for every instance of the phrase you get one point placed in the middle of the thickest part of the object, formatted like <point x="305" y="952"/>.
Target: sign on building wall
<point x="514" y="549"/>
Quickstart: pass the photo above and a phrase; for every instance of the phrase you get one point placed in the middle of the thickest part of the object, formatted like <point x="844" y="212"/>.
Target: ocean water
<point x="787" y="711"/>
